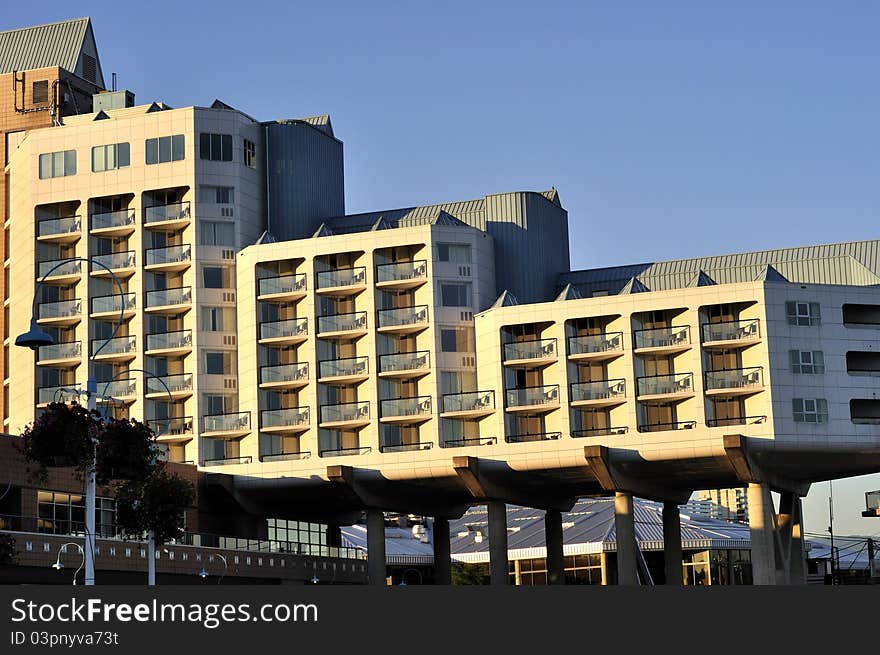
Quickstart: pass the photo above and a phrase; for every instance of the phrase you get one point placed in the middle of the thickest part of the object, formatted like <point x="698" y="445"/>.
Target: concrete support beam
<point x="442" y="555"/>
<point x="376" y="571"/>
<point x="762" y="528"/>
<point x="672" y="557"/>
<point x="498" y="574"/>
<point x="611" y="479"/>
<point x="554" y="542"/>
<point x="790" y="564"/>
<point x="624" y="524"/>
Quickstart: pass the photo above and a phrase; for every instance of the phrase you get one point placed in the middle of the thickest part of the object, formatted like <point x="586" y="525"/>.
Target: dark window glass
<point x="165" y="149"/>
<point x="226" y="147"/>
<point x="213" y="277"/>
<point x="152" y="148"/>
<point x="177" y="147"/>
<point x="204" y="146"/>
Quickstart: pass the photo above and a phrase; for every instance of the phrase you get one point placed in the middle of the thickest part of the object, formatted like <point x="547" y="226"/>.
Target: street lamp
<point x="204" y="572"/>
<point x="58" y="565"/>
<point x="34" y="338"/>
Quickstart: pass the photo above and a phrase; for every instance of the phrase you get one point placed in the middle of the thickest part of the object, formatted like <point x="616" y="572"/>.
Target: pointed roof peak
<point x="266" y="237"/>
<point x="380" y="224"/>
<point x="506" y="299"/>
<point x="568" y="293"/>
<point x="101" y="116"/>
<point x="702" y="279"/>
<point x="770" y="274"/>
<point x="322" y="231"/>
<point x="635" y="285"/>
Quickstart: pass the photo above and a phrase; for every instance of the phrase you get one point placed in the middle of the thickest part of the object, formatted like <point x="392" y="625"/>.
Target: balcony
<point x="595" y="347"/>
<point x="404" y="447"/>
<point x="122" y="264"/>
<point x="664" y="340"/>
<point x="63" y="271"/>
<point x="284" y="333"/>
<point x="284" y="457"/>
<point x="343" y="371"/>
<point x="468" y="442"/>
<point x="405" y="365"/>
<point x="290" y="419"/>
<point x="734" y="420"/>
<point x="284" y="288"/>
<point x="172" y="429"/>
<point x="403" y="320"/>
<point x="734" y="382"/>
<point x="63" y="312"/>
<point x="346" y="415"/>
<point x="179" y="385"/>
<point x="168" y="301"/>
<point x="344" y="452"/>
<point x="533" y="399"/>
<point x="600" y="393"/>
<point x="113" y="306"/>
<point x="226" y="425"/>
<point x="731" y="334"/>
<point x="284" y="376"/>
<point x="666" y="427"/>
<point x="599" y="432"/>
<point x="530" y="354"/>
<point x="229" y="461"/>
<point x="171" y="258"/>
<point x="116" y="391"/>
<point x="538" y="436"/>
<point x="59" y="230"/>
<point x="113" y="224"/>
<point x="405" y="410"/>
<point x="163" y="344"/>
<point x="677" y="386"/>
<point x="342" y="326"/>
<point x="402" y="275"/>
<point x="168" y="217"/>
<point x="61" y="355"/>
<point x="469" y="405"/>
<point x="63" y="394"/>
<point x="117" y="349"/>
<point x="341" y="281"/>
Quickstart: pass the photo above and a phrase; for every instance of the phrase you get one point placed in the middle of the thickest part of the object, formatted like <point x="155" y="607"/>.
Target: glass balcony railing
<point x="402" y="271"/>
<point x="405" y="361"/>
<point x="169" y="255"/>
<point x="662" y="337"/>
<point x="114" y="303"/>
<point x="115" y="219"/>
<point x="529" y="396"/>
<point x="180" y="382"/>
<point x="344" y="452"/>
<point x="165" y="297"/>
<point x="738" y="378"/>
<point x="60" y="309"/>
<point x="61" y="394"/>
<point x="117" y="388"/>
<point x="469" y="402"/>
<point x="282" y="284"/>
<point x="402" y="316"/>
<point x="169" y="427"/>
<point x="342" y="322"/>
<point x="59" y="267"/>
<point x="663" y="427"/>
<point x="298" y="372"/>
<point x="285" y="457"/>
<point x="404" y="447"/>
<point x="59" y="226"/>
<point x="229" y="461"/>
<point x="177" y="211"/>
<point x="418" y="406"/>
<point x="285" y="418"/>
<point x="343" y="367"/>
<point x="72" y="350"/>
<point x="537" y="349"/>
<point x="600" y="432"/>
<point x="666" y="384"/>
<point x="595" y="343"/>
<point x="293" y="327"/>
<point x="731" y="330"/>
<point x="734" y="420"/>
<point x="113" y="261"/>
<point x="598" y="390"/>
<point x="115" y="346"/>
<point x="345" y="412"/>
<point x="227" y="422"/>
<point x="341" y="277"/>
<point x="534" y="436"/>
<point x="169" y="340"/>
<point x="469" y="441"/>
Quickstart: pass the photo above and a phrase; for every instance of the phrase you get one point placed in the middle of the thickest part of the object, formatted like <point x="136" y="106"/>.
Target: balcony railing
<point x="405" y="361"/>
<point x="734" y="420"/>
<point x="341" y="277"/>
<point x="538" y="436"/>
<point x="469" y="441"/>
<point x="402" y="271"/>
<point x="344" y="452"/>
<point x="469" y="401"/>
<point x="739" y="378"/>
<point x="599" y="432"/>
<point x="283" y="284"/>
<point x="164" y="297"/>
<point x="226" y="422"/>
<point x="171" y="427"/>
<point x="342" y="322"/>
<point x="169" y="340"/>
<point x="117" y="388"/>
<point x="60" y="394"/>
<point x="595" y="343"/>
<point x="418" y="406"/>
<point x="530" y="396"/>
<point x="168" y="255"/>
<point x="283" y="457"/>
<point x="731" y="330"/>
<point x="173" y="383"/>
<point x="113" y="261"/>
<point x="174" y="212"/>
<point x="71" y="350"/>
<point x="60" y="309"/>
<point x="114" y="303"/>
<point x="343" y="367"/>
<point x="402" y="316"/>
<point x="115" y="219"/>
<point x="229" y="461"/>
<point x="58" y="268"/>
<point x="285" y="418"/>
<point x="59" y="226"/>
<point x="404" y="447"/>
<point x="292" y="327"/>
<point x="115" y="346"/>
<point x="598" y="390"/>
<point x="537" y="349"/>
<point x="345" y="412"/>
<point x="663" y="427"/>
<point x="666" y="384"/>
<point x="663" y="337"/>
<point x="297" y="372"/>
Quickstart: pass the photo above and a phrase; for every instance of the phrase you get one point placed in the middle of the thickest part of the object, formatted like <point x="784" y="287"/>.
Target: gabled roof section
<point x="266" y="237"/>
<point x="380" y="224"/>
<point x="101" y="116"/>
<point x="219" y="104"/>
<point x="506" y="299"/>
<point x="553" y="196"/>
<point x="321" y="122"/>
<point x="322" y="231"/>
<point x="54" y="44"/>
<point x="702" y="279"/>
<point x="635" y="285"/>
<point x="770" y="274"/>
<point x="568" y="293"/>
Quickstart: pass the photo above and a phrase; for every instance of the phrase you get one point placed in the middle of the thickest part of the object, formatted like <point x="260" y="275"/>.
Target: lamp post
<point x="34" y="338"/>
<point x="204" y="572"/>
<point x="58" y="565"/>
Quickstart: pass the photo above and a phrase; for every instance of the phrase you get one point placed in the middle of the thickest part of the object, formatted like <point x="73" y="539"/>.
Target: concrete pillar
<point x="517" y="572"/>
<point x="624" y="524"/>
<point x="376" y="570"/>
<point x="553" y="540"/>
<point x="442" y="558"/>
<point x="672" y="544"/>
<point x="797" y="562"/>
<point x="603" y="561"/>
<point x="762" y="534"/>
<point x="498" y="574"/>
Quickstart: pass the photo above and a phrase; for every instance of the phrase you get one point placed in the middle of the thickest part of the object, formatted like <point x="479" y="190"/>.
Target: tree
<point x="154" y="504"/>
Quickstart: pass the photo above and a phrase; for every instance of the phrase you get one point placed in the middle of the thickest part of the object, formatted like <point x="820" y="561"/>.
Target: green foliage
<point x="155" y="503"/>
<point x="126" y="451"/>
<point x="61" y="436"/>
<point x="470" y="574"/>
<point x="7" y="549"/>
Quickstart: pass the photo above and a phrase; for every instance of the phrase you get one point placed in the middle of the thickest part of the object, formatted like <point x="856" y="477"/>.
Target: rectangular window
<point x="215" y="147"/>
<point x="218" y="319"/>
<point x="809" y="410"/>
<point x="455" y="294"/>
<point x="217" y="277"/>
<point x="165" y="149"/>
<point x="217" y="234"/>
<point x="218" y="363"/>
<point x="808" y="362"/>
<point x="221" y="195"/>
<point x="459" y="253"/>
<point x="456" y="340"/>
<point x="802" y="313"/>
<point x="250" y="154"/>
<point x="110" y="157"/>
<point x="214" y="404"/>
<point x="57" y="164"/>
<point x="41" y="92"/>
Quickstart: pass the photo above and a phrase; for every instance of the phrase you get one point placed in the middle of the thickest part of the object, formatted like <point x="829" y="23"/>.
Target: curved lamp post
<point x="204" y="572"/>
<point x="58" y="565"/>
<point x="34" y="338"/>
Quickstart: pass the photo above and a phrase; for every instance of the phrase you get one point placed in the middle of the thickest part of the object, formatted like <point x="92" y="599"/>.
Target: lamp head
<point x="203" y="573"/>
<point x="58" y="565"/>
<point x="34" y="338"/>
<point x="314" y="579"/>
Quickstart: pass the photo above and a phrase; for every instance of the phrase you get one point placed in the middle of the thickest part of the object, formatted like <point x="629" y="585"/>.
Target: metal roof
<point x="42" y="46"/>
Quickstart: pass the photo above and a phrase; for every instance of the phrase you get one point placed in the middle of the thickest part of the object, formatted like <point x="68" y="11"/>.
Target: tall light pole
<point x="58" y="565"/>
<point x="831" y="528"/>
<point x="34" y="339"/>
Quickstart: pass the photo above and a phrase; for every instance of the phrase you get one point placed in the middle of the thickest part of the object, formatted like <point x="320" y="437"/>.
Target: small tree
<point x="63" y="435"/>
<point x="155" y="503"/>
<point x="126" y="450"/>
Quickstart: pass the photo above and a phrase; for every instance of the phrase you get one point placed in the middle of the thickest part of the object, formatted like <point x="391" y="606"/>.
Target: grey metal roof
<point x="42" y="46"/>
<point x="400" y="545"/>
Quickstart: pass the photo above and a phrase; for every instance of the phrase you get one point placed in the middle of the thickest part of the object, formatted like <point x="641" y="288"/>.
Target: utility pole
<point x="870" y="560"/>
<point x="831" y="529"/>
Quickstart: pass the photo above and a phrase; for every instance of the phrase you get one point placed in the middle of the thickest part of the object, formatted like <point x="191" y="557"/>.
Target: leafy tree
<point x="155" y="503"/>
<point x="470" y="574"/>
<point x="126" y="450"/>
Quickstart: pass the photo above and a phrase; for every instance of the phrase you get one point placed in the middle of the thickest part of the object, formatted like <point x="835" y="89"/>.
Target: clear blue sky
<point x="671" y="129"/>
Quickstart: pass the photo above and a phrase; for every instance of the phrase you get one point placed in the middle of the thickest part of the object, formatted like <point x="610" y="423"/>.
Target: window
<point x="216" y="277"/>
<point x="216" y="147"/>
<point x="221" y="195"/>
<point x="455" y="294"/>
<point x="165" y="149"/>
<point x="809" y="362"/>
<point x="802" y="313"/>
<point x="218" y="319"/>
<point x="459" y="253"/>
<point x="218" y="363"/>
<point x="63" y="513"/>
<point x="41" y="92"/>
<point x="456" y="340"/>
<point x="110" y="157"/>
<point x="810" y="410"/>
<point x="57" y="164"/>
<point x="250" y="154"/>
<point x="217" y="234"/>
<point x="214" y="404"/>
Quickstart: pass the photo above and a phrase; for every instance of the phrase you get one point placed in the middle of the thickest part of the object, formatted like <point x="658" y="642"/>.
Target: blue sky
<point x="670" y="129"/>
